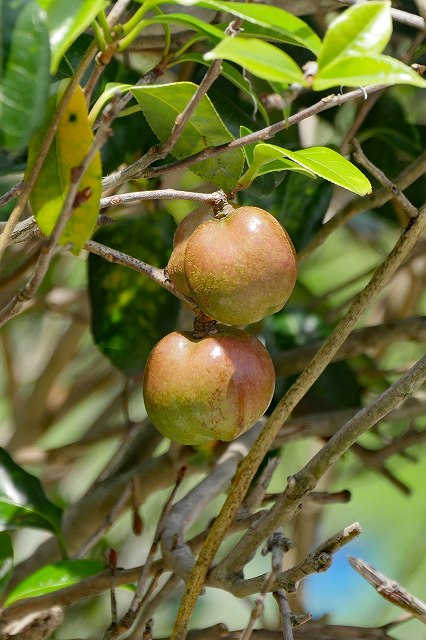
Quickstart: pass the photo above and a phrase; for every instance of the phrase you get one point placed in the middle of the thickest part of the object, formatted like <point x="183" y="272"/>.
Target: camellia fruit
<point x="239" y="267"/>
<point x="211" y="388"/>
<point x="185" y="229"/>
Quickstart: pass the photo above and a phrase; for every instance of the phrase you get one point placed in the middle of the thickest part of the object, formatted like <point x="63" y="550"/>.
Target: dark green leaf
<point x="362" y="29"/>
<point x="359" y="70"/>
<point x="293" y="28"/>
<point x="304" y="205"/>
<point x="23" y="502"/>
<point x="6" y="560"/>
<point x="233" y="75"/>
<point x="130" y="312"/>
<point x="25" y="81"/>
<point x="53" y="577"/>
<point x="262" y="59"/>
<point x="161" y="104"/>
<point x="67" y="20"/>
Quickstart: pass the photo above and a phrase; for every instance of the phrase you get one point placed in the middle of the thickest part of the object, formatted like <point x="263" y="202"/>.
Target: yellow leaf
<point x="70" y="146"/>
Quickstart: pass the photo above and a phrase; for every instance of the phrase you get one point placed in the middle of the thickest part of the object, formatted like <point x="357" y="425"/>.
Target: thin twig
<point x="217" y="197"/>
<point x="117" y="628"/>
<point x="390" y="590"/>
<point x="286" y="614"/>
<point x="410" y="19"/>
<point x="396" y="193"/>
<point x="154" y="273"/>
<point x="250" y="464"/>
<point x="28" y="291"/>
<point x="13" y="192"/>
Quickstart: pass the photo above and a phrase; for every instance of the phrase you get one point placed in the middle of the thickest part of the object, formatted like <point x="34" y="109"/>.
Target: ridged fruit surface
<point x="240" y="268"/>
<point x="216" y="387"/>
<point x="185" y="229"/>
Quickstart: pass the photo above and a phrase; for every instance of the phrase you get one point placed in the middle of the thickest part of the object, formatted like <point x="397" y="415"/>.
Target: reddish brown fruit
<point x="216" y="387"/>
<point x="240" y="268"/>
<point x="185" y="229"/>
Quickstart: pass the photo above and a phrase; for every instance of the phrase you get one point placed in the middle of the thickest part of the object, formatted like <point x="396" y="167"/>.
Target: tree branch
<point x="250" y="464"/>
<point x="390" y="590"/>
<point x="215" y="198"/>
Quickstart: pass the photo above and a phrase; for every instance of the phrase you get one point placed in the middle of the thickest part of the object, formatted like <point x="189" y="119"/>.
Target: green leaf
<point x="197" y="25"/>
<point x="362" y="29"/>
<point x="71" y="144"/>
<point x="319" y="161"/>
<point x="25" y="77"/>
<point x="53" y="577"/>
<point x="6" y="560"/>
<point x="233" y="75"/>
<point x="303" y="206"/>
<point x="291" y="27"/>
<point x="67" y="20"/>
<point x="262" y="59"/>
<point x="161" y="104"/>
<point x="356" y="71"/>
<point x="23" y="502"/>
<point x="130" y="312"/>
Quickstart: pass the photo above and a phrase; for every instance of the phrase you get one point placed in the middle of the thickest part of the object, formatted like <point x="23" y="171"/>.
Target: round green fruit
<point x="212" y="388"/>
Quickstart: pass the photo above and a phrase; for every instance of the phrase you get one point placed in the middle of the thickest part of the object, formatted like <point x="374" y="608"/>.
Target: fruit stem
<point x="203" y="325"/>
<point x="222" y="209"/>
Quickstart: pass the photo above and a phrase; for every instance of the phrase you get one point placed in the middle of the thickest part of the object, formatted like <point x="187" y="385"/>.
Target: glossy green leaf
<point x="233" y="75"/>
<point x="193" y="23"/>
<point x="161" y="104"/>
<point x="356" y="71"/>
<point x="25" y="77"/>
<point x="71" y="144"/>
<point x="262" y="59"/>
<point x="67" y="19"/>
<point x="6" y="559"/>
<point x="130" y="312"/>
<point x="293" y="28"/>
<point x="23" y="502"/>
<point x="364" y="28"/>
<point x="53" y="577"/>
<point x="267" y="158"/>
<point x="320" y="161"/>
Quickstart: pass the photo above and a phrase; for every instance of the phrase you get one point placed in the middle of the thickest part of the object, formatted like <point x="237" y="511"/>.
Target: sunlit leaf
<point x="6" y="559"/>
<point x="162" y="103"/>
<point x="67" y="19"/>
<point x="262" y="59"/>
<point x="364" y="28"/>
<point x="293" y="28"/>
<point x="130" y="312"/>
<point x="23" y="502"/>
<point x="53" y="577"/>
<point x="192" y="22"/>
<point x="320" y="161"/>
<point x="71" y="144"/>
<point x="25" y="78"/>
<point x="360" y="70"/>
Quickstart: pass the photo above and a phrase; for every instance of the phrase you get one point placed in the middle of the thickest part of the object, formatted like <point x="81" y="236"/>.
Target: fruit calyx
<point x="223" y="210"/>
